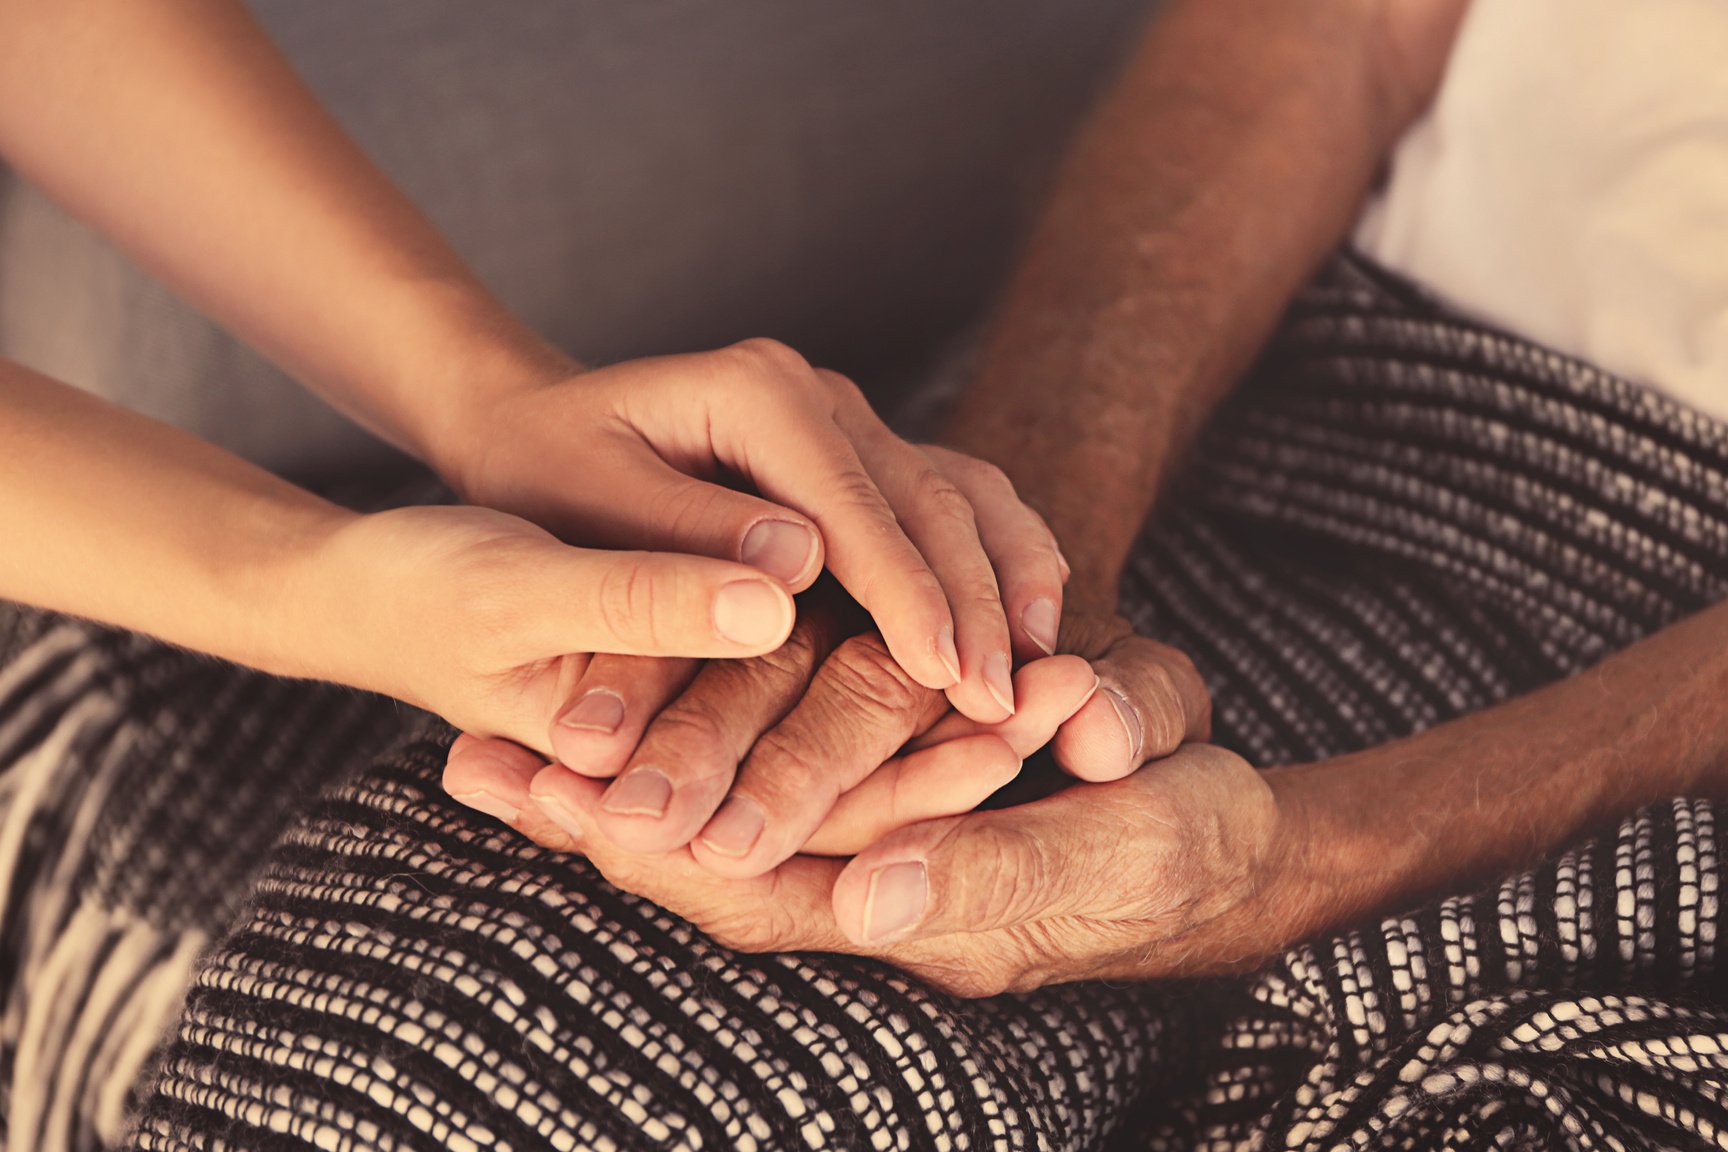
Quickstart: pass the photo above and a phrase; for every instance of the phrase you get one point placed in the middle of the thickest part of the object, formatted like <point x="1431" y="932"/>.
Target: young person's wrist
<point x="440" y="355"/>
<point x="290" y="593"/>
<point x="478" y="357"/>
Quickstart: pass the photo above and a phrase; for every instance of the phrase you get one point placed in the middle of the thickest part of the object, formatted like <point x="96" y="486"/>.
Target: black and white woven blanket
<point x="1402" y="518"/>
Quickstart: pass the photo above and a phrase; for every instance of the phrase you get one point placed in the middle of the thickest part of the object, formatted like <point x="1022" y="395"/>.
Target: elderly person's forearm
<point x="1486" y="794"/>
<point x="1232" y="155"/>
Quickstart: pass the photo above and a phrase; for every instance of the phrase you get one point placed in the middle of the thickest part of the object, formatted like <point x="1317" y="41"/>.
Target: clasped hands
<point x="814" y="788"/>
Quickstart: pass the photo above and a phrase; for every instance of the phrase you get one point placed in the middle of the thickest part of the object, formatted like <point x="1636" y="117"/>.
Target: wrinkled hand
<point x="636" y="455"/>
<point x="1178" y="868"/>
<point x="1187" y="867"/>
<point x="807" y="747"/>
<point x="610" y="709"/>
<point x="827" y="744"/>
<point x="1150" y="701"/>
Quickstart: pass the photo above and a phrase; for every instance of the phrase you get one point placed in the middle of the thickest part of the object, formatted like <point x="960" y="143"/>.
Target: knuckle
<point x="979" y="594"/>
<point x="941" y="499"/>
<point x="1183" y="670"/>
<point x="767" y="357"/>
<point x="1001" y="880"/>
<point x="789" y="666"/>
<point x="867" y="677"/>
<point x="855" y="490"/>
<point x="619" y="870"/>
<point x="785" y="770"/>
<point x="628" y="603"/>
<point x="1166" y="682"/>
<point x="845" y="391"/>
<point x="686" y="509"/>
<point x="693" y="723"/>
<point x="1178" y="664"/>
<point x="986" y="478"/>
<point x="1162" y="714"/>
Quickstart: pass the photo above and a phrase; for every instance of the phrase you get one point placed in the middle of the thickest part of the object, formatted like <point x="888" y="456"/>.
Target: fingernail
<point x="1042" y="621"/>
<point x="491" y="805"/>
<point x="752" y="613"/>
<point x="948" y="654"/>
<point x="639" y="792"/>
<point x="895" y="900"/>
<point x="1062" y="561"/>
<point x="999" y="680"/>
<point x="734" y="829"/>
<point x="601" y="710"/>
<point x="1130" y="720"/>
<point x="559" y="813"/>
<point x="780" y="548"/>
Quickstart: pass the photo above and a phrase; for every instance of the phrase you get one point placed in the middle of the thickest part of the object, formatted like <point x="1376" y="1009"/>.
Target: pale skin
<point x="176" y="129"/>
<point x="1159" y="268"/>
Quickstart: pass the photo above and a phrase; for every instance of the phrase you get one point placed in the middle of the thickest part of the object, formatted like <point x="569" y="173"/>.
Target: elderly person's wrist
<point x="1334" y="862"/>
<point x="1378" y="831"/>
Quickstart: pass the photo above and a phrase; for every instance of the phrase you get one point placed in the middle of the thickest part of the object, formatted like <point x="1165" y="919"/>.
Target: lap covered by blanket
<point x="1401" y="518"/>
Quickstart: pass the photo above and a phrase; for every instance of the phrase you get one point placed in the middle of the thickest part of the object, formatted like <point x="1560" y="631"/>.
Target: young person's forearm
<point x="1232" y="155"/>
<point x="176" y="128"/>
<point x="1473" y="800"/>
<point x="112" y="516"/>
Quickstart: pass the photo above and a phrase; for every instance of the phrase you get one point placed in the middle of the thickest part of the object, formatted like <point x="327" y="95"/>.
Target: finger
<point x="1049" y="691"/>
<point x="946" y="780"/>
<point x="972" y="873"/>
<point x="490" y="775"/>
<point x="558" y="599"/>
<point x="788" y="909"/>
<point x="978" y="872"/>
<point x="687" y="759"/>
<point x="1150" y="701"/>
<point x="607" y="711"/>
<point x="860" y="709"/>
<point x="782" y="435"/>
<point x="661" y="509"/>
<point x="940" y="520"/>
<point x="1029" y="568"/>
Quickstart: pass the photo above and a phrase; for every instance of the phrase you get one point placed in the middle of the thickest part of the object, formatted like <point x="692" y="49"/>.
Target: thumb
<point x="644" y="604"/>
<point x="1150" y="701"/>
<point x="972" y="873"/>
<point x="662" y="509"/>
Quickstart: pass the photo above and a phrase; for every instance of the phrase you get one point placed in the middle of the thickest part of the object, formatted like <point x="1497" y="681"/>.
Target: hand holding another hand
<point x="1173" y="869"/>
<point x="822" y="746"/>
<point x="1153" y="870"/>
<point x="639" y="455"/>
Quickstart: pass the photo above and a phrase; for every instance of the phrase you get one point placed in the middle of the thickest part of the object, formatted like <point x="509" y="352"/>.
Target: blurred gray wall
<point x="633" y="177"/>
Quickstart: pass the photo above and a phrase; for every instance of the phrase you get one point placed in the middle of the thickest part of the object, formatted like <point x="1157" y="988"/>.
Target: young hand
<point x="957" y="573"/>
<point x="488" y="620"/>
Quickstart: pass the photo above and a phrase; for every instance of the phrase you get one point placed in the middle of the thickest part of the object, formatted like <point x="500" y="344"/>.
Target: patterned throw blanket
<point x="1402" y="518"/>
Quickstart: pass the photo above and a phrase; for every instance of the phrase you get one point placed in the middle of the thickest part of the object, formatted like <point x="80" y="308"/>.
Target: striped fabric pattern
<point x="139" y="788"/>
<point x="1402" y="518"/>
